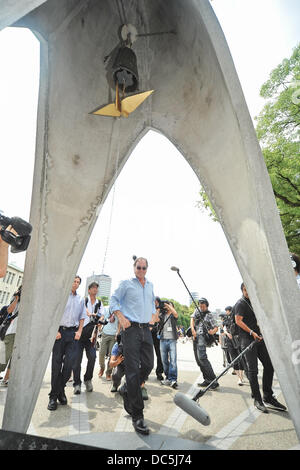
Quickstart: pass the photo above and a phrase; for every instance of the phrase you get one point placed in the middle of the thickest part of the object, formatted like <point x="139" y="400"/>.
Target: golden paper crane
<point x="124" y="106"/>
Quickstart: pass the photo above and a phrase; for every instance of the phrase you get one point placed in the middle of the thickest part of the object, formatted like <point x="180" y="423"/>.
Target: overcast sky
<point x="166" y="227"/>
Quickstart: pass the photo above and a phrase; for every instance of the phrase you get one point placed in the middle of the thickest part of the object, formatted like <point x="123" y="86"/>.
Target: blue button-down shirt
<point x="74" y="311"/>
<point x="137" y="303"/>
<point x="111" y="327"/>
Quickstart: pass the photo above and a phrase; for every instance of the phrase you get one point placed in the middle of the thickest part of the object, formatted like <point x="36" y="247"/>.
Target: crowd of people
<point x="135" y="327"/>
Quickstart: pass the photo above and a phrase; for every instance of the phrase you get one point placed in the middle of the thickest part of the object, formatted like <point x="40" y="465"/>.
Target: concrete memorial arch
<point x="199" y="105"/>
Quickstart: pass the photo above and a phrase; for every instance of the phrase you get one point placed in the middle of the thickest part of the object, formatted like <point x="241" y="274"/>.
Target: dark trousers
<point x="139" y="360"/>
<point x="203" y="362"/>
<point x="258" y="351"/>
<point x="64" y="355"/>
<point x="233" y="354"/>
<point x="156" y="343"/>
<point x="90" y="351"/>
<point x="117" y="374"/>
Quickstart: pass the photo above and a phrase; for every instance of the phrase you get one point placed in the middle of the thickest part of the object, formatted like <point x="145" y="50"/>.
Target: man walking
<point x="94" y="310"/>
<point x="248" y="332"/>
<point x="133" y="304"/>
<point x="64" y="352"/>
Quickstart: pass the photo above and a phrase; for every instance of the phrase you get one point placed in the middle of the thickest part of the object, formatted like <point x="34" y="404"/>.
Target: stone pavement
<point x="98" y="418"/>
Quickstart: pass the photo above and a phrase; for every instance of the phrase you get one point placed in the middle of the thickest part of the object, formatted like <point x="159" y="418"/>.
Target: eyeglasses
<point x="141" y="267"/>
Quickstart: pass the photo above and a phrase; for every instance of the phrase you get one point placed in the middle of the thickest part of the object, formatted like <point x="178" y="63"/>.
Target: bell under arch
<point x="199" y="106"/>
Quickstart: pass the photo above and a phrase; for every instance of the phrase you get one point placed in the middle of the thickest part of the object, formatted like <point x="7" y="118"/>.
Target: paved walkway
<point x="98" y="418"/>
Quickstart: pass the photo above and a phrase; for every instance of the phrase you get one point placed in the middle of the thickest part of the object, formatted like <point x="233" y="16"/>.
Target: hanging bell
<point x="124" y="70"/>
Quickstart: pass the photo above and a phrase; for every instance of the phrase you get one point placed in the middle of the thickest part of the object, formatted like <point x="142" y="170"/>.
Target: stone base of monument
<point x="10" y="440"/>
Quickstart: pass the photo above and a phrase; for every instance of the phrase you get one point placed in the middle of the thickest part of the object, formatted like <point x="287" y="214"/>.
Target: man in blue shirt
<point x="65" y="350"/>
<point x="133" y="303"/>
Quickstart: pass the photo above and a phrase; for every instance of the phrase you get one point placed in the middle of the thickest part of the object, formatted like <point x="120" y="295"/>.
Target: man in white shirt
<point x="65" y="348"/>
<point x="94" y="310"/>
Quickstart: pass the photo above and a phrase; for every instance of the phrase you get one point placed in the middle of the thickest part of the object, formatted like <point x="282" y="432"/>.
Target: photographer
<point x="15" y="232"/>
<point x="203" y="324"/>
<point x="9" y="328"/>
<point x="94" y="310"/>
<point x="4" y="248"/>
<point x="167" y="331"/>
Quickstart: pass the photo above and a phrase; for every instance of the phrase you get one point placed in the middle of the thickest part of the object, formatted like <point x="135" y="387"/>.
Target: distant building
<point x="10" y="283"/>
<point x="104" y="282"/>
<point x="195" y="296"/>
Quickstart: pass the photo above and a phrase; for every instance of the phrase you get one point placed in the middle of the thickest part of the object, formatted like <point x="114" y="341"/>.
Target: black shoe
<point x="260" y="406"/>
<point x="215" y="385"/>
<point x="274" y="404"/>
<point x="174" y="384"/>
<point x="140" y="426"/>
<point x="62" y="398"/>
<point x="160" y="377"/>
<point x="204" y="384"/>
<point x="122" y="390"/>
<point x="114" y="389"/>
<point x="52" y="405"/>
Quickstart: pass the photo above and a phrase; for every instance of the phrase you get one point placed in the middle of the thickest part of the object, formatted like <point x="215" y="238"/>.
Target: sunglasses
<point x="141" y="267"/>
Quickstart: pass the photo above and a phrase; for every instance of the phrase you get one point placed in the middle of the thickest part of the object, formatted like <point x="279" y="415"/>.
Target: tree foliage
<point x="278" y="127"/>
<point x="278" y="130"/>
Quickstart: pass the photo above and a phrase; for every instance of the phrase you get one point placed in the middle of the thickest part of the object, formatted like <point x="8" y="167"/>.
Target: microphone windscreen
<point x="173" y="268"/>
<point x="192" y="408"/>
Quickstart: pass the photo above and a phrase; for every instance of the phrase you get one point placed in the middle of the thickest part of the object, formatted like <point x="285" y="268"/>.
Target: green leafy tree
<point x="105" y="300"/>
<point x="278" y="130"/>
<point x="278" y="126"/>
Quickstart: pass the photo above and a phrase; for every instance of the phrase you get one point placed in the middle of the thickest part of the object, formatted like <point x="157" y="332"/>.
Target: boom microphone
<point x="173" y="268"/>
<point x="192" y="408"/>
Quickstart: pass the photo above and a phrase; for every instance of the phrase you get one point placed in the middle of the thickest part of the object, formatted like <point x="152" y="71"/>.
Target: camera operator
<point x="15" y="232"/>
<point x="199" y="336"/>
<point x="167" y="331"/>
<point x="9" y="328"/>
<point x="4" y="250"/>
<point x="248" y="332"/>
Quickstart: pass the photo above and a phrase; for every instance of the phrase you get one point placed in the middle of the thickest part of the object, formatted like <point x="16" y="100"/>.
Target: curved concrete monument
<point x="199" y="105"/>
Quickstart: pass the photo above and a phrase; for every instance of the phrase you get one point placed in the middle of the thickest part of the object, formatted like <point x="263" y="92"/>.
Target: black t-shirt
<point x="244" y="309"/>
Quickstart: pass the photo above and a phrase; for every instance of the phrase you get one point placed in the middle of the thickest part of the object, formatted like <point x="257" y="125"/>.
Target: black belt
<point x="140" y="325"/>
<point x="69" y="328"/>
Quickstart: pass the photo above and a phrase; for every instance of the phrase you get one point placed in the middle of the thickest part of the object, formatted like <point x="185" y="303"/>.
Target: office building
<point x="104" y="282"/>
<point x="195" y="296"/>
